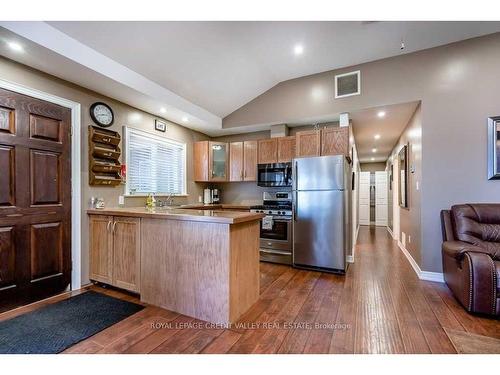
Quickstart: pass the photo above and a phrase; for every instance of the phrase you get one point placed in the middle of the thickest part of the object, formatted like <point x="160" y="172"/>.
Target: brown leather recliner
<point x="471" y="255"/>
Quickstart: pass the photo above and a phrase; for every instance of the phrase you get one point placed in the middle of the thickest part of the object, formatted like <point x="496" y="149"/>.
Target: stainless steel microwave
<point x="274" y="174"/>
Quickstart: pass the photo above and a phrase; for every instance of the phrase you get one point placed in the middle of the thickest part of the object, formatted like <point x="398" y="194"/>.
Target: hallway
<point x="380" y="306"/>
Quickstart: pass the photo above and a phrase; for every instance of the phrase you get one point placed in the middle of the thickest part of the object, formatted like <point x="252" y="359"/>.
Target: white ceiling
<point x="220" y="66"/>
<point x="206" y="70"/>
<point x="366" y="124"/>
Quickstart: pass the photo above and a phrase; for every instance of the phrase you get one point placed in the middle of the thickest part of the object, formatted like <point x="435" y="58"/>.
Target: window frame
<point x="127" y="131"/>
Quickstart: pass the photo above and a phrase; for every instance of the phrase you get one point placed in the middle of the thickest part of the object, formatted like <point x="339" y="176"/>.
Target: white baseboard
<point x="390" y="232"/>
<point x="422" y="275"/>
<point x="350" y="259"/>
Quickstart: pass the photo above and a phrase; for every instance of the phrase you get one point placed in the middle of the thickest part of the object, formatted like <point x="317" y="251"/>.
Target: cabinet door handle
<point x="114" y="226"/>
<point x="107" y="226"/>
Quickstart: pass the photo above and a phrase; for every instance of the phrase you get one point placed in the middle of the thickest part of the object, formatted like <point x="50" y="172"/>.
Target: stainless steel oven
<point x="276" y="240"/>
<point x="274" y="174"/>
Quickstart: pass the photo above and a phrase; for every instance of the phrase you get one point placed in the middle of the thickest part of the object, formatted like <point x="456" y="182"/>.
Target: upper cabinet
<point x="250" y="154"/>
<point x="211" y="161"/>
<point x="268" y="151"/>
<point x="243" y="161"/>
<point x="335" y="141"/>
<point x="237" y="161"/>
<point x="276" y="150"/>
<point x="286" y="149"/>
<point x="308" y="143"/>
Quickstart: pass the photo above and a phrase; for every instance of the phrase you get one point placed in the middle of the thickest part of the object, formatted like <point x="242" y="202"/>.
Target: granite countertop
<point x="187" y="214"/>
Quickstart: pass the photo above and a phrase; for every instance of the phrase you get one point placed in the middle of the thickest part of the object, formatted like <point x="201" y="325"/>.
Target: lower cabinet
<point x="115" y="251"/>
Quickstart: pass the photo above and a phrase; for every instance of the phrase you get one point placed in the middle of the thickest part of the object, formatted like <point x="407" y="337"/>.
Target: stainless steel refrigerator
<point x="321" y="213"/>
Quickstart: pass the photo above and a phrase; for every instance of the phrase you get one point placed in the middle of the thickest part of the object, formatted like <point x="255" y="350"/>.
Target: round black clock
<point x="102" y="114"/>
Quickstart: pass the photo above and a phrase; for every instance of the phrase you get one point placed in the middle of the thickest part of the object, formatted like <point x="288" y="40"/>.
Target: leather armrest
<point x="457" y="249"/>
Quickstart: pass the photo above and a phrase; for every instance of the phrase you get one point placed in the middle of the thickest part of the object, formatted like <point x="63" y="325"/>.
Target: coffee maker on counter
<point x="211" y="196"/>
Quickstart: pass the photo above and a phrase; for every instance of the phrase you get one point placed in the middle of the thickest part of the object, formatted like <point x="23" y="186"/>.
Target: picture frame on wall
<point x="403" y="176"/>
<point x="160" y="125"/>
<point x="494" y="148"/>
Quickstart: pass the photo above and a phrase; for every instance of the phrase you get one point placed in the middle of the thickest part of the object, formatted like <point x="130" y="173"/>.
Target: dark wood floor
<point x="380" y="306"/>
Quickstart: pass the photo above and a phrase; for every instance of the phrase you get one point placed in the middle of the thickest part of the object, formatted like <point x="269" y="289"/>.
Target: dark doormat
<point x="56" y="327"/>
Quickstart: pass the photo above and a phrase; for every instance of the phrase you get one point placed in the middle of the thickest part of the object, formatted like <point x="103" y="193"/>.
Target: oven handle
<point x="275" y="252"/>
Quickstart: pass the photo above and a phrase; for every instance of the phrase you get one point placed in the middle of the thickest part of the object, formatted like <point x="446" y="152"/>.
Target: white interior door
<point x="381" y="198"/>
<point x="364" y="198"/>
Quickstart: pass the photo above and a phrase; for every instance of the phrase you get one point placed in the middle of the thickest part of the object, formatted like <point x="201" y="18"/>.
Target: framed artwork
<point x="161" y="126"/>
<point x="494" y="148"/>
<point x="403" y="176"/>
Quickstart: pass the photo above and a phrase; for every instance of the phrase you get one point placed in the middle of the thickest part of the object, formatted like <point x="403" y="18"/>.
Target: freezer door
<point x="319" y="229"/>
<point x="319" y="173"/>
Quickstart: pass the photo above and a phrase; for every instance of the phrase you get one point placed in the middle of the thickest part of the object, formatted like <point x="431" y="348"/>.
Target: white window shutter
<point x="154" y="164"/>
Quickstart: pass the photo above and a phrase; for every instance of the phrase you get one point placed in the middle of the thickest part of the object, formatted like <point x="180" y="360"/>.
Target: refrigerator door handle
<point x="295" y="178"/>
<point x="295" y="203"/>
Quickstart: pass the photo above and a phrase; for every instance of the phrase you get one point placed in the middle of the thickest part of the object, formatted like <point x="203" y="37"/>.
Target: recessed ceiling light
<point x="163" y="110"/>
<point x="372" y="159"/>
<point x="374" y="150"/>
<point x="184" y="119"/>
<point x="298" y="49"/>
<point x="15" y="46"/>
<point x="377" y="136"/>
<point x="381" y="114"/>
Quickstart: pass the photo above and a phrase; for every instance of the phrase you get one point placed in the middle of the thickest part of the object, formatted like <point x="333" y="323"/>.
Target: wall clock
<point x="102" y="114"/>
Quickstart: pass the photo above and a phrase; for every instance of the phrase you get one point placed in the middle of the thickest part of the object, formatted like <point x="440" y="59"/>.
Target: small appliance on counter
<point x="276" y="227"/>
<point x="215" y="196"/>
<point x="207" y="196"/>
<point x="211" y="196"/>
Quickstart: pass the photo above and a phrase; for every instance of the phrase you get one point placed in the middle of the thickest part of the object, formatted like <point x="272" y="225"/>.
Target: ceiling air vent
<point x="347" y="84"/>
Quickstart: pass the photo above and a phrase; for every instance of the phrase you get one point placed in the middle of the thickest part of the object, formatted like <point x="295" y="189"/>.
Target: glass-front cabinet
<point x="218" y="161"/>
<point x="211" y="161"/>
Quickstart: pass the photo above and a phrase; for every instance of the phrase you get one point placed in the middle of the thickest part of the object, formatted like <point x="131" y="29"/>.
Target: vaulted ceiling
<point x="203" y="71"/>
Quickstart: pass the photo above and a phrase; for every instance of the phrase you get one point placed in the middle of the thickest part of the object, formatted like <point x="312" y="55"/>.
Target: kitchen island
<point x="200" y="263"/>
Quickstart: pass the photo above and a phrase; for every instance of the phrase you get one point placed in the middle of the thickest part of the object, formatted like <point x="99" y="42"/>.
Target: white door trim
<point x="76" y="246"/>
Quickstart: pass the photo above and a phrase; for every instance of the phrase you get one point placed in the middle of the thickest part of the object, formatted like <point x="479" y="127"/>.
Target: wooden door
<point x="200" y="160"/>
<point x="268" y="151"/>
<point x="308" y="143"/>
<point x="286" y="149"/>
<point x="218" y="161"/>
<point x="35" y="199"/>
<point x="364" y="198"/>
<point x="236" y="161"/>
<point x="126" y="253"/>
<point x="335" y="141"/>
<point x="101" y="248"/>
<point x="250" y="161"/>
<point x="381" y="198"/>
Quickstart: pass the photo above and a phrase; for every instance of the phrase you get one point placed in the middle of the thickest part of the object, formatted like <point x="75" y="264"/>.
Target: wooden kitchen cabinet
<point x="243" y="161"/>
<point x="286" y="149"/>
<point x="236" y="161"/>
<point x="308" y="143"/>
<point x="100" y="248"/>
<point x="115" y="251"/>
<point x="335" y="141"/>
<point x="268" y="151"/>
<point x="126" y="253"/>
<point x="211" y="161"/>
<point x="250" y="155"/>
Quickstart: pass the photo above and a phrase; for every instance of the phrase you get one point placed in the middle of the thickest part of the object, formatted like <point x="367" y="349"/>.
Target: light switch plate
<point x="121" y="200"/>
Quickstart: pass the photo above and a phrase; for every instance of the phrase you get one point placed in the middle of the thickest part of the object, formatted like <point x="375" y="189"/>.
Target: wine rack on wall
<point x="104" y="155"/>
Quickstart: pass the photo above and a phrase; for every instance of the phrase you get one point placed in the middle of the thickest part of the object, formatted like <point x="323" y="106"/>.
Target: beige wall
<point x="124" y="115"/>
<point x="372" y="167"/>
<point x="458" y="87"/>
<point x="410" y="218"/>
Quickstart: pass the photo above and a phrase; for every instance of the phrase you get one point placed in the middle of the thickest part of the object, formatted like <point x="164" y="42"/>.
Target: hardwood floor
<point x="380" y="306"/>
